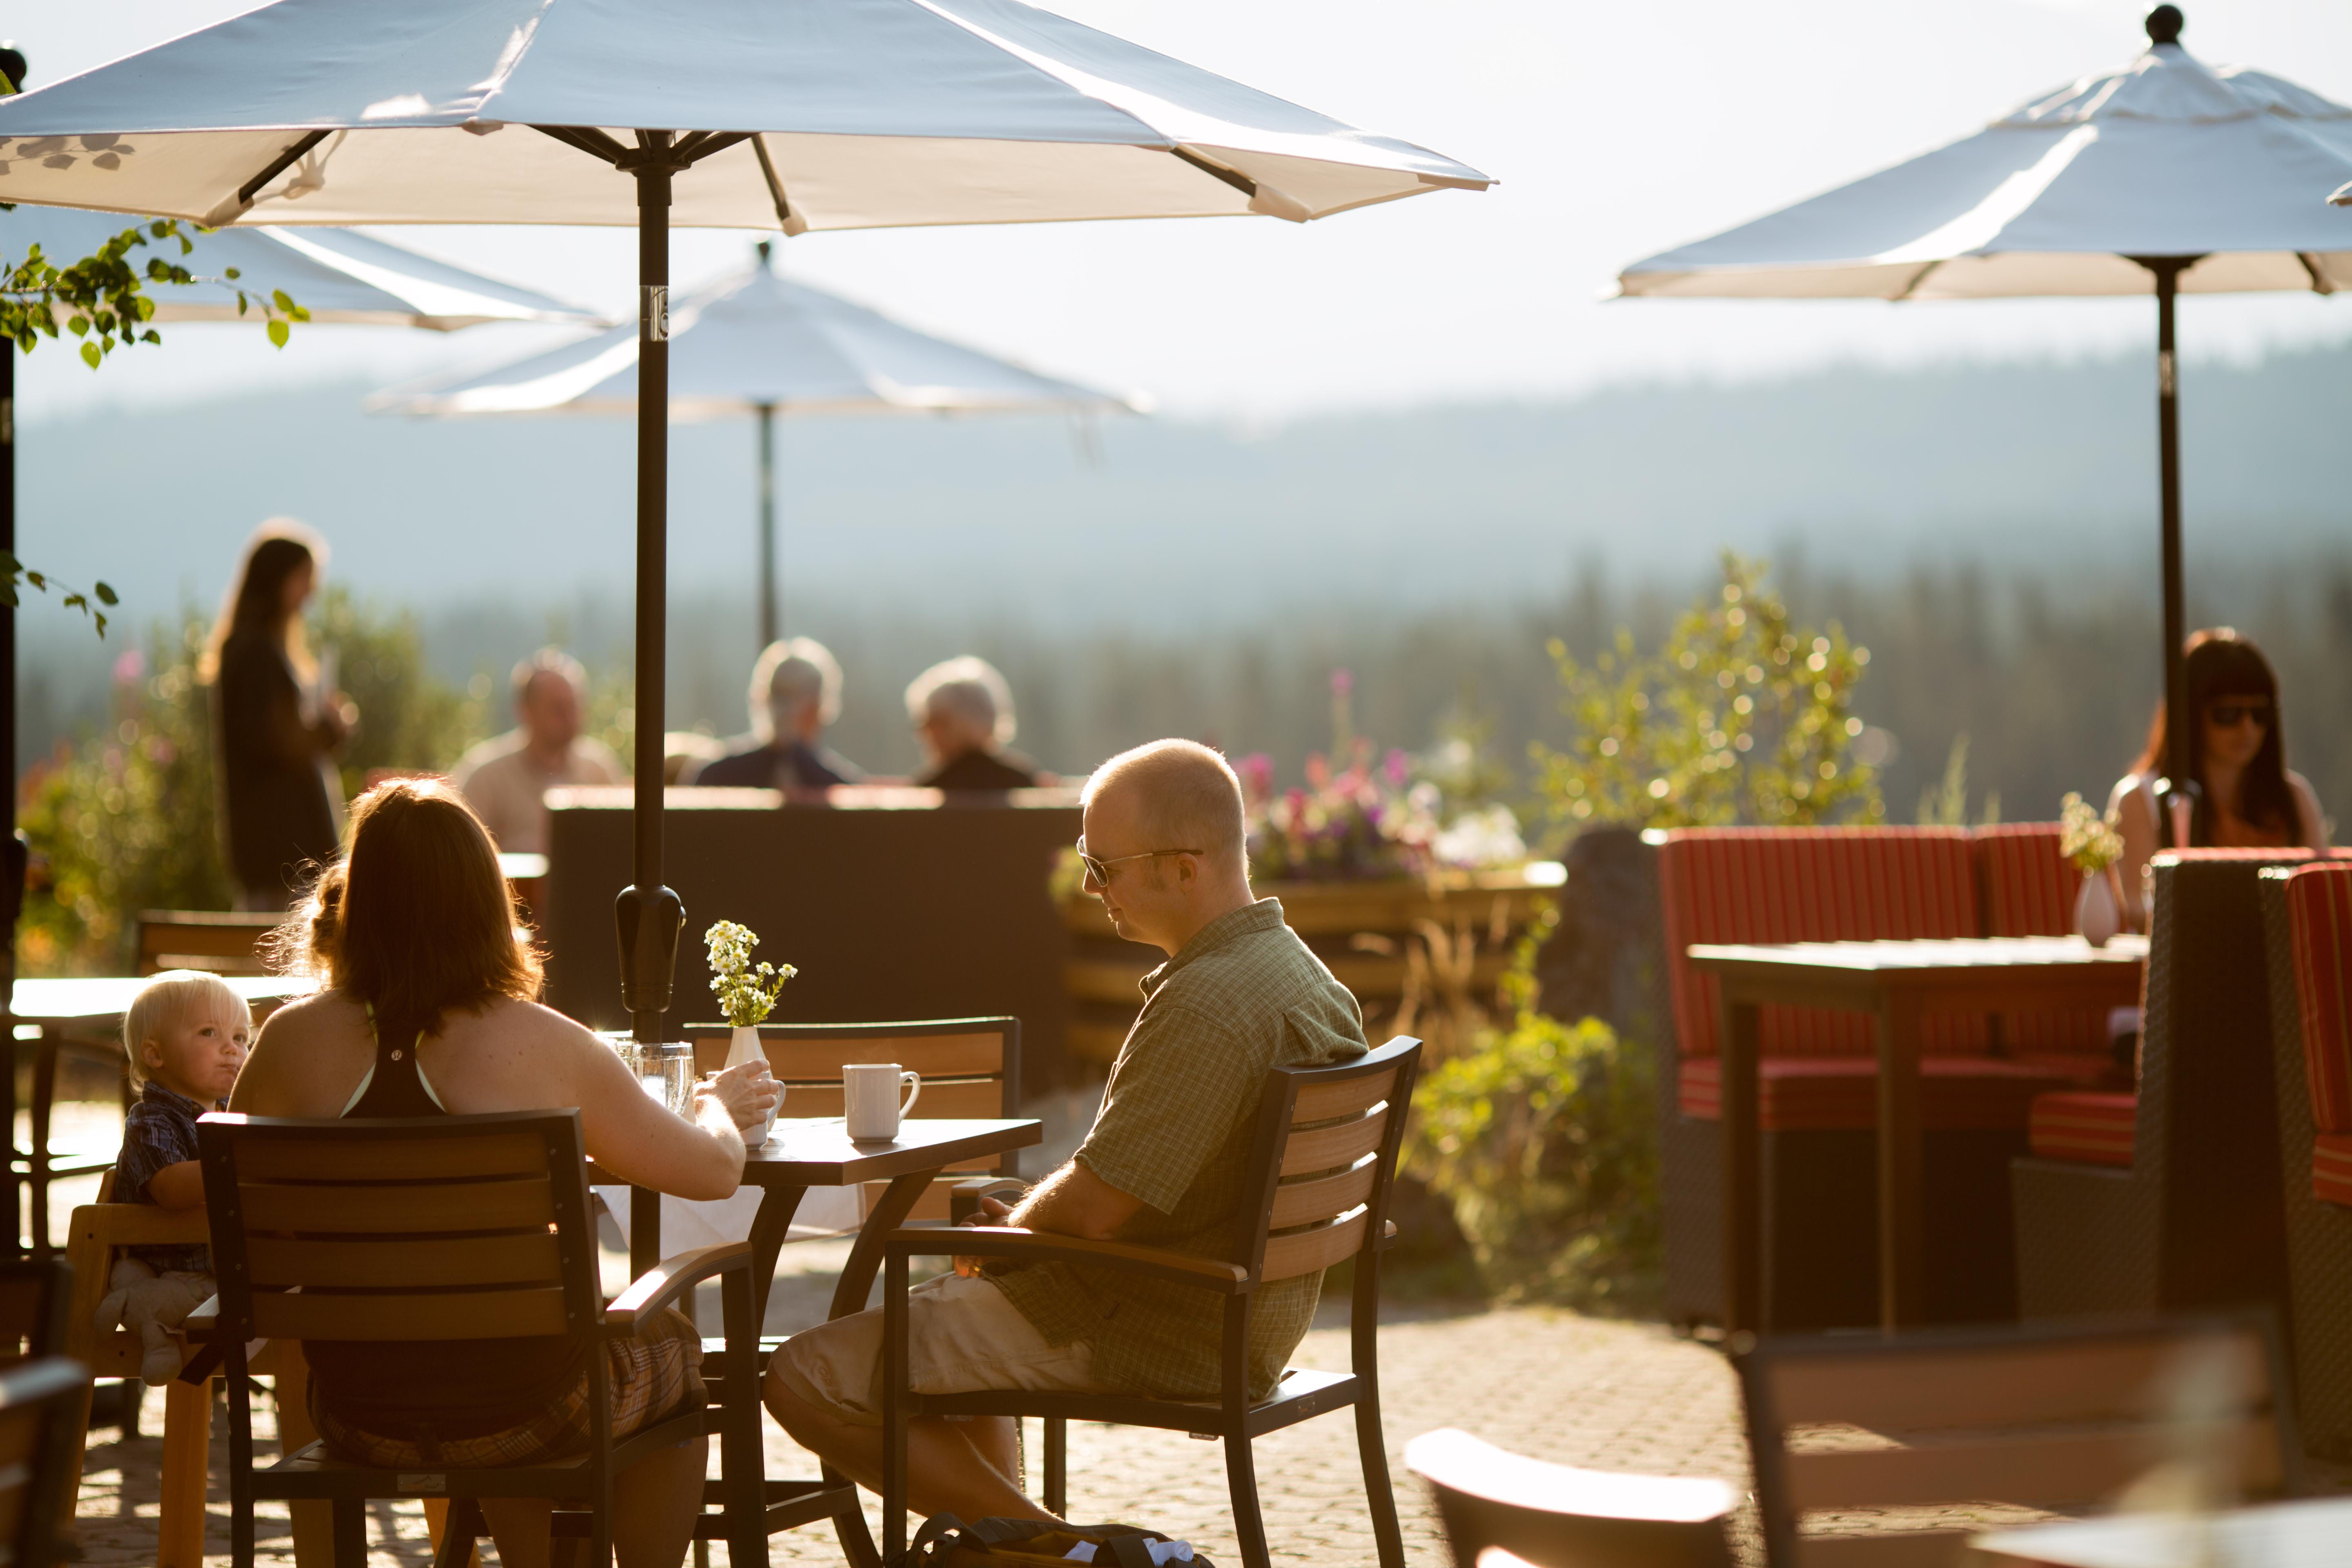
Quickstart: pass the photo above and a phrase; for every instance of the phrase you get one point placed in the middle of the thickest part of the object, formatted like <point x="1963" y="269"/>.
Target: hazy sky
<point x="1616" y="130"/>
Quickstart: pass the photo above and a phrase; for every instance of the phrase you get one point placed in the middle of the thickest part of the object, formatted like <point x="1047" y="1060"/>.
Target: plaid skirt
<point x="654" y="1374"/>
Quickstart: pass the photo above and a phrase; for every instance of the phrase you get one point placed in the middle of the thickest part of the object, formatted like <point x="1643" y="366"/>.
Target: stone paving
<point x="1612" y="1395"/>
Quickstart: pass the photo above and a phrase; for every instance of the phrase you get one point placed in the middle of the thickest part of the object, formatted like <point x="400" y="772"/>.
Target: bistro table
<point x="817" y="1151"/>
<point x="50" y="1015"/>
<point x="2313" y="1534"/>
<point x="1901" y="982"/>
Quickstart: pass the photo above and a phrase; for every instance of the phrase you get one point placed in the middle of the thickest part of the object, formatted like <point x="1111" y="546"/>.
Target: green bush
<point x="1542" y="1137"/>
<point x="410" y="720"/>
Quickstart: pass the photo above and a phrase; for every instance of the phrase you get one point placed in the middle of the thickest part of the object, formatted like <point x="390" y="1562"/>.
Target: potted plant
<point x="747" y="994"/>
<point x="2092" y="845"/>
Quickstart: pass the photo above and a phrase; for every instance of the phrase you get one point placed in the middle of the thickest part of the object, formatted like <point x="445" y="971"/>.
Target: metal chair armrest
<point x="1043" y="1247"/>
<point x="663" y="1283"/>
<point x="963" y="1197"/>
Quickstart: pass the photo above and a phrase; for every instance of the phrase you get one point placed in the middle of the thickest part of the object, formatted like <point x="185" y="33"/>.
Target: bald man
<point x="1163" y="1166"/>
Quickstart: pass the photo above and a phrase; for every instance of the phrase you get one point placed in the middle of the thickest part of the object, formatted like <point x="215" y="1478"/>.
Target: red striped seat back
<point x="1811" y="884"/>
<point x="2320" y="926"/>
<point x="2026" y="887"/>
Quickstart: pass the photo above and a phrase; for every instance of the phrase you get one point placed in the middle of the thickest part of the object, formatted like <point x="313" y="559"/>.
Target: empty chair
<point x="2158" y="1412"/>
<point x="40" y="1411"/>
<point x="1505" y="1511"/>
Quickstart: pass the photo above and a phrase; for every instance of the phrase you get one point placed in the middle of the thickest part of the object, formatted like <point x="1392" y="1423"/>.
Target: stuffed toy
<point x="151" y="1305"/>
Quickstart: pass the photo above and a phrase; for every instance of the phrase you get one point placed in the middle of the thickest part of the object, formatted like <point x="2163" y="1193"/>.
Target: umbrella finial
<point x="2164" y="24"/>
<point x="762" y="247"/>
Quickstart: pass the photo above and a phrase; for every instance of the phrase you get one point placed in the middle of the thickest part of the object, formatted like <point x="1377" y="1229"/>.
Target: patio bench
<point x="2308" y="922"/>
<point x="1816" y="1078"/>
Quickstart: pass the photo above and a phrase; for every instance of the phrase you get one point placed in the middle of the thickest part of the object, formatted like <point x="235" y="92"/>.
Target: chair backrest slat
<point x="469" y="1227"/>
<point x="436" y="1261"/>
<point x="412" y="1315"/>
<point x="1320" y="1148"/>
<point x="1341" y="1096"/>
<point x="1310" y="1251"/>
<point x="1323" y="1198"/>
<point x="347" y="1207"/>
<point x="2059" y="1417"/>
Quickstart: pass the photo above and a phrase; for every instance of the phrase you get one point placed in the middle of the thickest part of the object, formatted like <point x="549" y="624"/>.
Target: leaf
<point x="105" y="595"/>
<point x="282" y="300"/>
<point x="231" y="273"/>
<point x="279" y="332"/>
<point x="91" y="355"/>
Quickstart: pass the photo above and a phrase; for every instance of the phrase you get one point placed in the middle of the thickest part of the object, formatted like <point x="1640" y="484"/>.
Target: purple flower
<point x="1343" y="683"/>
<point x="129" y="666"/>
<point x="1399" y="768"/>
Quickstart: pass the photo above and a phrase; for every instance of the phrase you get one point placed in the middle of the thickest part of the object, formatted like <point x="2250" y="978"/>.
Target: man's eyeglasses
<point x="2229" y="715"/>
<point x="1099" y="869"/>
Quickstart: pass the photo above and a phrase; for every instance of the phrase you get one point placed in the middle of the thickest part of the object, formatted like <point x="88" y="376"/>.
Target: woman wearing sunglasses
<point x="2237" y="754"/>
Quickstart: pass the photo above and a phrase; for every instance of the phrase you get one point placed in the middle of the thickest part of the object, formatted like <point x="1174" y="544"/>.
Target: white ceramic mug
<point x="870" y="1096"/>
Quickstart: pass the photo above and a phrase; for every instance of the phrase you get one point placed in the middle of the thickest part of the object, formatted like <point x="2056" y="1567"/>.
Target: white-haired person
<point x="795" y="694"/>
<point x="1164" y="1165"/>
<point x="962" y="713"/>
<point x="505" y="778"/>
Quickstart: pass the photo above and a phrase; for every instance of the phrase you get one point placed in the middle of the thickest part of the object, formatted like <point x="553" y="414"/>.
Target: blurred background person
<point x="277" y="720"/>
<point x="505" y="779"/>
<point x="795" y="693"/>
<point x="962" y="713"/>
<point x="2237" y="753"/>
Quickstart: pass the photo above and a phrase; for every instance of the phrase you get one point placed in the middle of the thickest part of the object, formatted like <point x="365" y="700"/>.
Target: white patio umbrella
<point x="760" y="344"/>
<point x="798" y="114"/>
<point x="335" y="274"/>
<point x="2165" y="177"/>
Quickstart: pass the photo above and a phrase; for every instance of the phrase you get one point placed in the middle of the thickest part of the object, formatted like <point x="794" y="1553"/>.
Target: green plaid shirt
<point x="1177" y="1122"/>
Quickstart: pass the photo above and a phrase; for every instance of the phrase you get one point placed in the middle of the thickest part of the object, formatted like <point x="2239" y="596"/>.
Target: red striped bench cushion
<point x="2319" y="927"/>
<point x="1811" y="884"/>
<point x="1828" y="1094"/>
<point x="2087" y="1128"/>
<point x="2027" y="889"/>
<point x="2331" y="1168"/>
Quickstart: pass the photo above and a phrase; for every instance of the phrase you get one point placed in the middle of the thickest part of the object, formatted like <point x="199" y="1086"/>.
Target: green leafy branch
<point x="102" y="297"/>
<point x="17" y="573"/>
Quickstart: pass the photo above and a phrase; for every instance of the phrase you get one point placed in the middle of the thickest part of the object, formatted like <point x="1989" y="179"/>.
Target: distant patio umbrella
<point x="2166" y="175"/>
<point x="757" y="344"/>
<point x="797" y="114"/>
<point x="334" y="274"/>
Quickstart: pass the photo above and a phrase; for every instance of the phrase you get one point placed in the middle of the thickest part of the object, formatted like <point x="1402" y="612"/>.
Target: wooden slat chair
<point x="226" y="942"/>
<point x="2057" y="1419"/>
<point x="38" y="1402"/>
<point x="970" y="1068"/>
<point x="98" y="1233"/>
<point x="1505" y="1508"/>
<point x="33" y="1294"/>
<point x="1325" y="1150"/>
<point x="450" y="1227"/>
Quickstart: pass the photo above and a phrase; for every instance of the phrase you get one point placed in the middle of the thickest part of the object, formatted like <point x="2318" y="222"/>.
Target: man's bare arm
<point x="1073" y="1201"/>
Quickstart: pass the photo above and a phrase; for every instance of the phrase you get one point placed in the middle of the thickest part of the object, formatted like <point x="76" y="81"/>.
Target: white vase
<point x="2096" y="915"/>
<point x="743" y="1045"/>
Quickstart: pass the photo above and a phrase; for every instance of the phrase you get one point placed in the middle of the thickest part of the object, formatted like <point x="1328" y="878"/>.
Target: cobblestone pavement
<point x="1612" y="1395"/>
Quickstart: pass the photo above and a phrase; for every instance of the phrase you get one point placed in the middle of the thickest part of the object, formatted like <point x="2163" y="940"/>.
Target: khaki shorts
<point x="962" y="1335"/>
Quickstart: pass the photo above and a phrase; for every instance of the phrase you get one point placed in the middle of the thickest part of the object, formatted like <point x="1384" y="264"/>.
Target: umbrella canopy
<point x="796" y="114"/>
<point x="757" y="341"/>
<point x="334" y="274"/>
<point x="2166" y="175"/>
<point x="757" y="344"/>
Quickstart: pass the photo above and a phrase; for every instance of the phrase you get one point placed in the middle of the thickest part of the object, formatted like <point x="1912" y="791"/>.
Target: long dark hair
<point x="2221" y="663"/>
<point x="416" y="918"/>
<point x="256" y="594"/>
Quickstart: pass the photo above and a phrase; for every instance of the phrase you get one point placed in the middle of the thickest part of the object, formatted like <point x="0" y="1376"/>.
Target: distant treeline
<point x="2052" y="682"/>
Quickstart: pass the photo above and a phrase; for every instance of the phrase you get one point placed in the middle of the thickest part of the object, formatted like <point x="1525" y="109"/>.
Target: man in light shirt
<point x="505" y="779"/>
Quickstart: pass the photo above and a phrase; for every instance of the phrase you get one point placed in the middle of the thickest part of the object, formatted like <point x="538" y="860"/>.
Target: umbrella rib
<point x="1233" y="177"/>
<point x="706" y="143"/>
<point x="277" y="166"/>
<point x="1916" y="278"/>
<point x="2319" y="283"/>
<point x="588" y="140"/>
<point x="775" y="184"/>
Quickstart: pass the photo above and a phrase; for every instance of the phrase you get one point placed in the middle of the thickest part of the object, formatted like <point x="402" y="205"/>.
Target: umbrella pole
<point x="2177" y="716"/>
<point x="650" y="916"/>
<point x="769" y="630"/>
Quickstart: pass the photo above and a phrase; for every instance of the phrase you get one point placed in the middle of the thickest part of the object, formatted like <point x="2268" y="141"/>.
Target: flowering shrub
<point x="1355" y="823"/>
<point x="746" y="995"/>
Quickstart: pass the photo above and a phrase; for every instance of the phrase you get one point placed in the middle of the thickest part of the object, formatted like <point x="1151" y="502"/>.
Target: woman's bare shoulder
<point x="306" y="1016"/>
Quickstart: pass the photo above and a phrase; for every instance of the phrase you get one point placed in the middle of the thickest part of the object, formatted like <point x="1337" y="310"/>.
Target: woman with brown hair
<point x="2249" y="797"/>
<point x="428" y="1010"/>
<point x="280" y="801"/>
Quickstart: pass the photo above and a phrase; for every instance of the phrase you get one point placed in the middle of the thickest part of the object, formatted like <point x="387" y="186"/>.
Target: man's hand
<point x="992" y="1211"/>
<point x="1073" y="1201"/>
